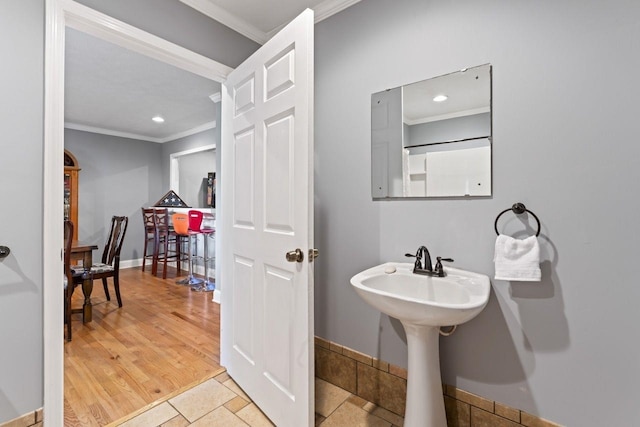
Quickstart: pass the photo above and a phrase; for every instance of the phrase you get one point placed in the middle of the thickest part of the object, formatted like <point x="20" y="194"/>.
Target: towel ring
<point x="517" y="208"/>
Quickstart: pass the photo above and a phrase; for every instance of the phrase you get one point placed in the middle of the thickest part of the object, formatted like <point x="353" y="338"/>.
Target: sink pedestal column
<point x="425" y="402"/>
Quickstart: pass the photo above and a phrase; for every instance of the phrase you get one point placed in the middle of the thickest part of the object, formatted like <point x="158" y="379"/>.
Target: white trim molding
<point x="52" y="236"/>
<point x="230" y="20"/>
<point x="321" y="11"/>
<point x="215" y="97"/>
<point x="97" y="24"/>
<point x="111" y="132"/>
<point x="330" y="7"/>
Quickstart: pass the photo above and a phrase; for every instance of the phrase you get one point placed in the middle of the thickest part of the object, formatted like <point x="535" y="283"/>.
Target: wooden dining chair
<point x="71" y="278"/>
<point x="110" y="265"/>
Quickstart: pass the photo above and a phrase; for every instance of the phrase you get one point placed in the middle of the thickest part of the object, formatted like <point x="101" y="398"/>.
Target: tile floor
<point x="220" y="402"/>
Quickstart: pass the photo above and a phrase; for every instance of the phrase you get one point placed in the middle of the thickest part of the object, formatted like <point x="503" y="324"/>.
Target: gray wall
<point x="21" y="121"/>
<point x="118" y="177"/>
<point x="208" y="137"/>
<point x="565" y="132"/>
<point x="194" y="169"/>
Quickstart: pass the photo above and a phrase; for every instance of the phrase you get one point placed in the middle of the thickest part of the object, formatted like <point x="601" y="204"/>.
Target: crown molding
<point x="232" y="21"/>
<point x="215" y="97"/>
<point x="322" y="11"/>
<point x="111" y="132"/>
<point x="192" y="131"/>
<point x="330" y="7"/>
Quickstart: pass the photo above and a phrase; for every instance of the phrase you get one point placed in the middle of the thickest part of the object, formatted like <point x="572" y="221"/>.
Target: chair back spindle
<point x="116" y="237"/>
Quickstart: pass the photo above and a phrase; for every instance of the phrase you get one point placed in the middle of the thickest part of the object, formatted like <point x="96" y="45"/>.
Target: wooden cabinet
<point x="71" y="172"/>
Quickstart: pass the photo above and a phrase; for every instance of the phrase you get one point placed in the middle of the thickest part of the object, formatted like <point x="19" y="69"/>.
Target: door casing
<point x="59" y="15"/>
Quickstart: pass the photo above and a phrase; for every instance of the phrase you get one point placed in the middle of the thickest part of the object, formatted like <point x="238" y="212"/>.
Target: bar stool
<point x="181" y="228"/>
<point x="195" y="224"/>
<point x="167" y="240"/>
<point x="149" y="222"/>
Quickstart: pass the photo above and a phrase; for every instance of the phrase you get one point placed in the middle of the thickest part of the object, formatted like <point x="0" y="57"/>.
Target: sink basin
<point x="423" y="300"/>
<point x="423" y="304"/>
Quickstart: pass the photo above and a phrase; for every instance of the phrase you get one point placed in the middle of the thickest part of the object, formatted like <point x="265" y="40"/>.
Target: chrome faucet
<point x="427" y="270"/>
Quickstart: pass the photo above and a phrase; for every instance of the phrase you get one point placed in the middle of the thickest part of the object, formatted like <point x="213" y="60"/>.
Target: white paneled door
<point x="267" y="196"/>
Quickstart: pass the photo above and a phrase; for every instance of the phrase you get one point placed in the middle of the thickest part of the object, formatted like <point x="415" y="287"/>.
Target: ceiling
<point x="115" y="91"/>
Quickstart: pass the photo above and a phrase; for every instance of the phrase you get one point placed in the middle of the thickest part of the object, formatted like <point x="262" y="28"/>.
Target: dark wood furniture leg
<point x="87" y="288"/>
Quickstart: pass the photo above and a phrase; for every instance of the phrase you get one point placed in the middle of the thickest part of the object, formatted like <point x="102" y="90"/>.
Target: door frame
<point x="60" y="14"/>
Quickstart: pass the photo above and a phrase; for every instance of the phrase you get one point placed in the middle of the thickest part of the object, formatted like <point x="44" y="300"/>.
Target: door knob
<point x="295" y="256"/>
<point x="4" y="251"/>
<point x="313" y="254"/>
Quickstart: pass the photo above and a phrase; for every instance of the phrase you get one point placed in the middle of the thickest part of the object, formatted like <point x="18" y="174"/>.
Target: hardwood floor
<point x="163" y="339"/>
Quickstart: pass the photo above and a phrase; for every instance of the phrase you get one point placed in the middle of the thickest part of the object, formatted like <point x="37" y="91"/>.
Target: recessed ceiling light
<point x="158" y="119"/>
<point x="440" y="98"/>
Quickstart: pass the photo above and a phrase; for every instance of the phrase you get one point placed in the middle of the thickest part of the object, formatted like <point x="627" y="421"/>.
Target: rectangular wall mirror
<point x="433" y="138"/>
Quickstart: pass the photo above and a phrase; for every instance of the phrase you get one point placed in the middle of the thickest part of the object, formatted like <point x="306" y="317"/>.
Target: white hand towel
<point x="517" y="259"/>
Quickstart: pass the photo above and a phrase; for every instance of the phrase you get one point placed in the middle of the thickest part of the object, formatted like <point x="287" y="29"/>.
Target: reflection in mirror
<point x="433" y="138"/>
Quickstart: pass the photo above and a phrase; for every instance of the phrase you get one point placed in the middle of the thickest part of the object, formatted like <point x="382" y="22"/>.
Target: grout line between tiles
<point x="165" y="399"/>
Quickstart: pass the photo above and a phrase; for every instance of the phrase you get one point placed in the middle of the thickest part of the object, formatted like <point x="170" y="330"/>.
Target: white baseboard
<point x="130" y="263"/>
<point x="138" y="263"/>
<point x="217" y="294"/>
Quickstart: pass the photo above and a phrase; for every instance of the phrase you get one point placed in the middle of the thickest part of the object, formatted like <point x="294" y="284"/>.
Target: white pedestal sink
<point x="423" y="304"/>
